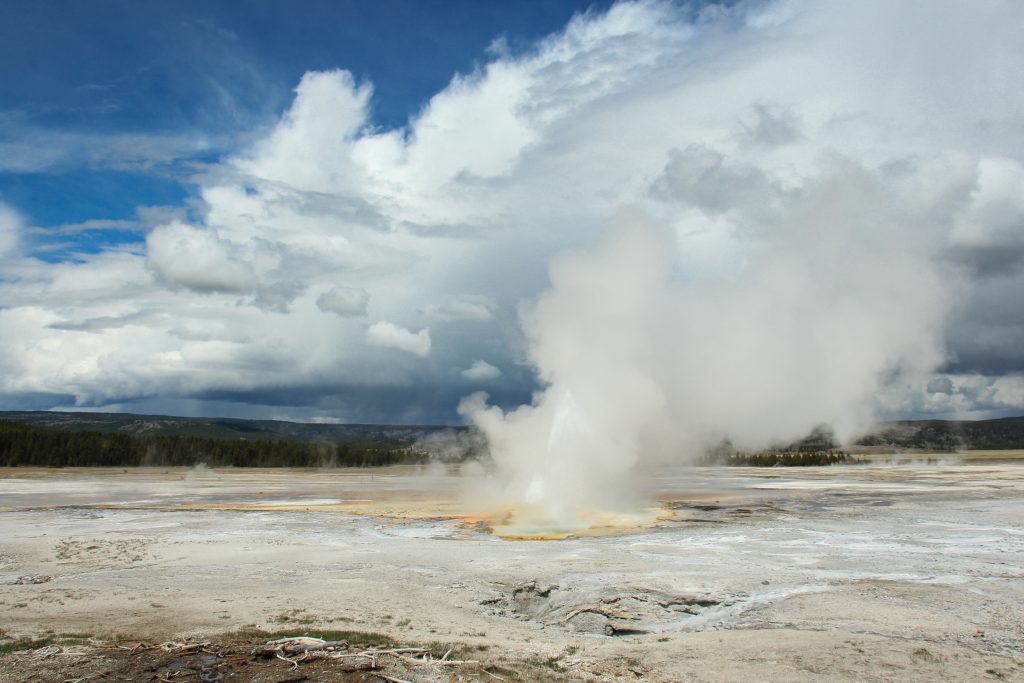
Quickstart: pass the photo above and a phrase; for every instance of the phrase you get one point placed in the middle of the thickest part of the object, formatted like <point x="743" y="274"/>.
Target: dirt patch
<point x="819" y="581"/>
<point x="99" y="552"/>
<point x="253" y="656"/>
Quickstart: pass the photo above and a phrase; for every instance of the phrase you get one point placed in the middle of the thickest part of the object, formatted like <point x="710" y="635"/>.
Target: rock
<point x="589" y="622"/>
<point x="26" y="580"/>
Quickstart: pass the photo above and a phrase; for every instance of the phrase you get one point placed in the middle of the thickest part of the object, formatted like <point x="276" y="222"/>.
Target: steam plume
<point x="834" y="291"/>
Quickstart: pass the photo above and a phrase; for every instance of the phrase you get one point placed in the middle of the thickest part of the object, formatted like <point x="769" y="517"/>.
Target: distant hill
<point x="55" y="439"/>
<point x="222" y="427"/>
<point x="1004" y="433"/>
<point x="948" y="435"/>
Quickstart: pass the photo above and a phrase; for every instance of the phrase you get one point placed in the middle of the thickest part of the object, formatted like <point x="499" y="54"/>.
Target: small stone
<point x="27" y="580"/>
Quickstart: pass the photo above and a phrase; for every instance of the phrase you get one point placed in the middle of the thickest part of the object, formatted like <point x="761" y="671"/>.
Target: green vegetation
<point x="36" y="643"/>
<point x="27" y="445"/>
<point x="224" y="428"/>
<point x="779" y="459"/>
<point x="24" y="644"/>
<point x="818" y="448"/>
<point x="55" y="439"/>
<point x="552" y="663"/>
<point x="295" y="616"/>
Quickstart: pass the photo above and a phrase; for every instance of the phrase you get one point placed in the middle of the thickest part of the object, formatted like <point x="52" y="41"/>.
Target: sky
<point x="354" y="211"/>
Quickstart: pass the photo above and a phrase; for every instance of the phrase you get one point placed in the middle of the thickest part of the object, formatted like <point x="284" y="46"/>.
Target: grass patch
<point x="552" y="663"/>
<point x="296" y="616"/>
<point x="35" y="643"/>
<point x="25" y="644"/>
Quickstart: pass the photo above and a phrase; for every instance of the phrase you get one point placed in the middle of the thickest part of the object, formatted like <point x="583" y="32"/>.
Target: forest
<point x="54" y="439"/>
<point x="29" y="445"/>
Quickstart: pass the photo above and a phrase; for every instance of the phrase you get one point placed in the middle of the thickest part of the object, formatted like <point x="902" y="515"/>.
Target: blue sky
<point x="75" y="74"/>
<point x="373" y="211"/>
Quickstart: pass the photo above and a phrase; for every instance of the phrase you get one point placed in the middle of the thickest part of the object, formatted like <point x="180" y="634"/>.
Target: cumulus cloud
<point x="197" y="259"/>
<point x="757" y="139"/>
<point x="345" y="301"/>
<point x="389" y="335"/>
<point x="965" y="396"/>
<point x="481" y="371"/>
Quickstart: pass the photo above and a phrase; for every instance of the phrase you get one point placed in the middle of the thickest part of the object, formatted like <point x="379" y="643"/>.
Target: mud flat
<point x="875" y="572"/>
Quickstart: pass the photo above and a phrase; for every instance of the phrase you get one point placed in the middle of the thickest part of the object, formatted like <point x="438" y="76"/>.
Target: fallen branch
<point x="293" y="662"/>
<point x="396" y="650"/>
<point x="131" y="650"/>
<point x="392" y="679"/>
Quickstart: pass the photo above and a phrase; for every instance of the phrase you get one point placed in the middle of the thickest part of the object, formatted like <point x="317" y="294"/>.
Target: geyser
<point x="836" y="294"/>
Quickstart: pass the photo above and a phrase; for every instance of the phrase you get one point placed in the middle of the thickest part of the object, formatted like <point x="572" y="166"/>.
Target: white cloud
<point x="389" y="335"/>
<point x="958" y="396"/>
<point x="698" y="121"/>
<point x="310" y="147"/>
<point x="994" y="217"/>
<point x="345" y="301"/>
<point x="30" y="149"/>
<point x="197" y="259"/>
<point x="481" y="371"/>
<point x="11" y="227"/>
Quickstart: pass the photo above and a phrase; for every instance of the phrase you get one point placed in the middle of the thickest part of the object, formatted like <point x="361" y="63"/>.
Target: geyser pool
<point x="526" y="522"/>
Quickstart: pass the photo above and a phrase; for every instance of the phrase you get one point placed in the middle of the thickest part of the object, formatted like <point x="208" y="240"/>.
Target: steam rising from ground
<point x="837" y="293"/>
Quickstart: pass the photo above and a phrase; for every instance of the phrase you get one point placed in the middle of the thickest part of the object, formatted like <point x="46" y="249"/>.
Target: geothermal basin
<point x="892" y="570"/>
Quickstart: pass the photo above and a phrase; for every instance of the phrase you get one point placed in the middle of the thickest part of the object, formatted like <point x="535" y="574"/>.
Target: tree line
<point x="818" y="448"/>
<point x="28" y="445"/>
<point x="792" y="458"/>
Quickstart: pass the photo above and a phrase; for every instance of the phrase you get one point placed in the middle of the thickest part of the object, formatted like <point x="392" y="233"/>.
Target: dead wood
<point x="296" y="646"/>
<point x="181" y="648"/>
<point x="392" y="679"/>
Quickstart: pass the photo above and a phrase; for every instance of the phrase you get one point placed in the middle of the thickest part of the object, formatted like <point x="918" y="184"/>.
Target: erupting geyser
<point x="565" y="480"/>
<point x="643" y="361"/>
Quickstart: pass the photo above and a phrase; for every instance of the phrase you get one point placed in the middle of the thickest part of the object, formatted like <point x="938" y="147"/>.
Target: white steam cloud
<point x="838" y="293"/>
